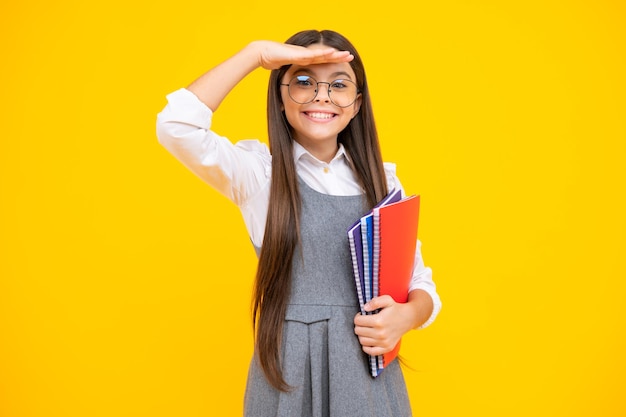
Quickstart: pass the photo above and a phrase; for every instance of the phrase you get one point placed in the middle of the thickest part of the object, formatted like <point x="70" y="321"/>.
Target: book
<point x="382" y="246"/>
<point x="395" y="241"/>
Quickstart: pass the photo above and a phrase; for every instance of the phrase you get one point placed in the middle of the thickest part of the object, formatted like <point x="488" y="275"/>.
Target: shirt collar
<point x="300" y="151"/>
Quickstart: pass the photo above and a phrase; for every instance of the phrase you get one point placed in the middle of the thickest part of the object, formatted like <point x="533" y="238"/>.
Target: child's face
<point x="316" y="124"/>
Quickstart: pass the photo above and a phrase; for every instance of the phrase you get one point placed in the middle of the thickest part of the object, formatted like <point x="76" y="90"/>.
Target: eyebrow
<point x="312" y="73"/>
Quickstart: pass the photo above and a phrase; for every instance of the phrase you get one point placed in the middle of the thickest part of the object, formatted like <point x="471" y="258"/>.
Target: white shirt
<point x="242" y="171"/>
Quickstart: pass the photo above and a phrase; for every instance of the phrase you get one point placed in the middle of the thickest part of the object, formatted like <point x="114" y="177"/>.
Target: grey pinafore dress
<point x="322" y="358"/>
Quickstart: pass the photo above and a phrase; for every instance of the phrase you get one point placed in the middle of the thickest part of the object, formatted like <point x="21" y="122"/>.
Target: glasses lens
<point x="342" y="92"/>
<point x="302" y="89"/>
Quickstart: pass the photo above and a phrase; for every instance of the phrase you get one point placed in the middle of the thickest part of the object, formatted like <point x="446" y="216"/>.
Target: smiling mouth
<point x="320" y="115"/>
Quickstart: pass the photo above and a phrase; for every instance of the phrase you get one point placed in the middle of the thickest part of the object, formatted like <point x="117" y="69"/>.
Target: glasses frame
<point x="317" y="89"/>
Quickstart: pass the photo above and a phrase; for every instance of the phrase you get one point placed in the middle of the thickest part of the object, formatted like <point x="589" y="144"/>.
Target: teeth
<point x="320" y="115"/>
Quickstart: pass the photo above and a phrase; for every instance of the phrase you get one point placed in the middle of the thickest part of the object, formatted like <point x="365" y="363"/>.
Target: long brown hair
<point x="273" y="279"/>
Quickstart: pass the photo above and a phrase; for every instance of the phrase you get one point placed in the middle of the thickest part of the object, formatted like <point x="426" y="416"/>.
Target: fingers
<point x="374" y="331"/>
<point x="329" y="56"/>
<point x="371" y="321"/>
<point x="374" y="342"/>
<point x="273" y="55"/>
<point x="306" y="56"/>
<point x="375" y="350"/>
<point x="376" y="303"/>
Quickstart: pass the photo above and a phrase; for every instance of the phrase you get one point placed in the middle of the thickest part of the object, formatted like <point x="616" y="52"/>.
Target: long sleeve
<point x="423" y="280"/>
<point x="237" y="171"/>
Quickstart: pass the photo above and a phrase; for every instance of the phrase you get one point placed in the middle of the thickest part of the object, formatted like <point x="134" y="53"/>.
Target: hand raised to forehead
<point x="273" y="55"/>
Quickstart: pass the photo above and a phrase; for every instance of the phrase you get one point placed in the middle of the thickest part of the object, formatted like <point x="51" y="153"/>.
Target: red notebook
<point x="395" y="241"/>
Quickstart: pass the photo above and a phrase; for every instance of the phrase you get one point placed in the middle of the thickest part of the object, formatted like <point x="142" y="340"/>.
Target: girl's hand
<point x="380" y="333"/>
<point x="273" y="55"/>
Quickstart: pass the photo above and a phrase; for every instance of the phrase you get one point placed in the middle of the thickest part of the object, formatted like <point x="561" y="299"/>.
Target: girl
<point x="322" y="171"/>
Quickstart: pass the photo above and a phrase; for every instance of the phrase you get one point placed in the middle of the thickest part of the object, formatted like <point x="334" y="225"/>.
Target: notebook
<point x="395" y="241"/>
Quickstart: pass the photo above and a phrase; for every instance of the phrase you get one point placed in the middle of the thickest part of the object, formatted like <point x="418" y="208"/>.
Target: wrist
<point x="421" y="305"/>
<point x="412" y="313"/>
<point x="252" y="54"/>
<point x="256" y="51"/>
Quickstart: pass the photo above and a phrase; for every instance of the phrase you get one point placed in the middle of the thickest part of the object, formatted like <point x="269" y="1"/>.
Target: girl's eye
<point x="303" y="81"/>
<point x="338" y="84"/>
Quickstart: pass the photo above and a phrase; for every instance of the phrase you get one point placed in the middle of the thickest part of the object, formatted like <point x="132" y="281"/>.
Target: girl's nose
<point x="322" y="92"/>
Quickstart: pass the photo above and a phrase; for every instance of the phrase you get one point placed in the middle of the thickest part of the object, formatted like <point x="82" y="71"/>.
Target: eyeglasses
<point x="303" y="89"/>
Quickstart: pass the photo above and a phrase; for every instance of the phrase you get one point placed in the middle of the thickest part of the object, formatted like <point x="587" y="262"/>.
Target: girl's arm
<point x="421" y="278"/>
<point x="212" y="87"/>
<point x="183" y="127"/>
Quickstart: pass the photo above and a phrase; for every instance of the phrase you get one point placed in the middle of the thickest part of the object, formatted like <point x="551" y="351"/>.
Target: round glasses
<point x="303" y="89"/>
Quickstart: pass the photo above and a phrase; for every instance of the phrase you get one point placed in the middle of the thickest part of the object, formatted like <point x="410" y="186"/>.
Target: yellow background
<point x="125" y="281"/>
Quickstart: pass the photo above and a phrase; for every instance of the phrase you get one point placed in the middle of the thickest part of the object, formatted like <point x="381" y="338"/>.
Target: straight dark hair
<point x="282" y="231"/>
